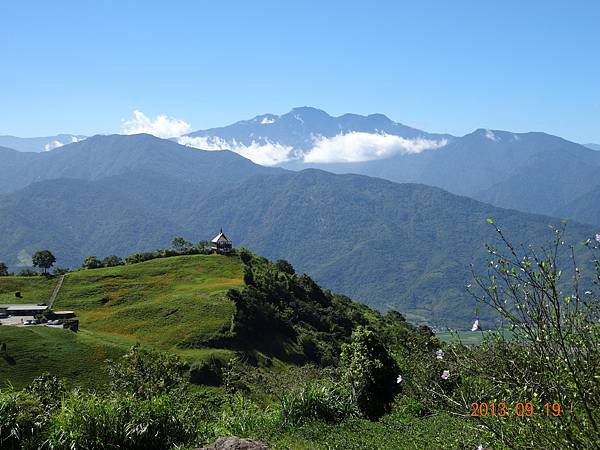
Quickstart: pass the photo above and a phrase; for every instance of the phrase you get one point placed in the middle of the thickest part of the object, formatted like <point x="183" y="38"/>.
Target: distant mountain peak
<point x="307" y="133"/>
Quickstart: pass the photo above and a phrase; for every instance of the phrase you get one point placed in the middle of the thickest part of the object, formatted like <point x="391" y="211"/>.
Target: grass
<point x="33" y="289"/>
<point x="32" y="351"/>
<point x="165" y="303"/>
<point x="173" y="304"/>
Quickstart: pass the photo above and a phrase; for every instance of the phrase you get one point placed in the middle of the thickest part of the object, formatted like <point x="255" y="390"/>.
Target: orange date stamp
<point x="520" y="409"/>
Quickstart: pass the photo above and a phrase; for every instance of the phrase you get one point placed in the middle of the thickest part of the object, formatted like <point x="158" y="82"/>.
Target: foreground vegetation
<point x="307" y="369"/>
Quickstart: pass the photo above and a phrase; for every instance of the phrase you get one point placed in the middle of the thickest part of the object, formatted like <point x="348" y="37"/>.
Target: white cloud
<point x="56" y="143"/>
<point x="350" y="147"/>
<point x="491" y="135"/>
<point x="162" y="126"/>
<point x="266" y="154"/>
<point x="52" y="145"/>
<point x="360" y="146"/>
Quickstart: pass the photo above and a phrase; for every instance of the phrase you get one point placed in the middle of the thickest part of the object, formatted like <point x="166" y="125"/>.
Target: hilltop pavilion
<point x="221" y="244"/>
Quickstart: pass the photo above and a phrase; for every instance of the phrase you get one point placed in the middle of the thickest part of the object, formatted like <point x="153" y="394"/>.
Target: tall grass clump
<point x="22" y="420"/>
<point x="244" y="418"/>
<point x="322" y="401"/>
<point x="125" y="422"/>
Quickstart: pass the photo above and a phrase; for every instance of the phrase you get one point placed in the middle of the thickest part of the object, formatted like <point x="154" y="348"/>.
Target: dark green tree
<point x="112" y="261"/>
<point x="91" y="262"/>
<point x="3" y="270"/>
<point x="181" y="245"/>
<point x="370" y="372"/>
<point x="43" y="259"/>
<point x="285" y="266"/>
<point x="204" y="245"/>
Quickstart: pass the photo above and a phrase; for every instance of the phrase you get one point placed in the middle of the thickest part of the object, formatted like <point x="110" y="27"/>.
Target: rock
<point x="235" y="443"/>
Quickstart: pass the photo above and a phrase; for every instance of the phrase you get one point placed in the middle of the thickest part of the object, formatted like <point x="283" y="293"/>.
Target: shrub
<point x="208" y="372"/>
<point x="322" y="401"/>
<point x="370" y="373"/>
<point x="242" y="417"/>
<point x="125" y="422"/>
<point x="146" y="373"/>
<point x="28" y="273"/>
<point x="140" y="257"/>
<point x="112" y="261"/>
<point x="91" y="262"/>
<point x="48" y="389"/>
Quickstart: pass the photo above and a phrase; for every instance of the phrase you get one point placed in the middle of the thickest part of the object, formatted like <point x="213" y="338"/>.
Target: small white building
<point x="221" y="244"/>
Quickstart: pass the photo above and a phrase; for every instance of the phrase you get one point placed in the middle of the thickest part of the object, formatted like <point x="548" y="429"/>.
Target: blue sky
<point x="444" y="66"/>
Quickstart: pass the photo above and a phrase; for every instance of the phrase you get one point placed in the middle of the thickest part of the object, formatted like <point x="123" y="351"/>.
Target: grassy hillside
<point x="33" y="289"/>
<point x="31" y="351"/>
<point x="164" y="302"/>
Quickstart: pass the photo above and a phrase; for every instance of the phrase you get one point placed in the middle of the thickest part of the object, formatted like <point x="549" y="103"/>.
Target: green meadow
<point x="33" y="289"/>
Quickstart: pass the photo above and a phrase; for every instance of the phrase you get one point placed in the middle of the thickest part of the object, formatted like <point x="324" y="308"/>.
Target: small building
<point x="22" y="310"/>
<point x="62" y="315"/>
<point x="221" y="244"/>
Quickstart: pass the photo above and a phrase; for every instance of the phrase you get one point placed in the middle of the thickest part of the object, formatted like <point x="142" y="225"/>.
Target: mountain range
<point x="532" y="172"/>
<point x="404" y="246"/>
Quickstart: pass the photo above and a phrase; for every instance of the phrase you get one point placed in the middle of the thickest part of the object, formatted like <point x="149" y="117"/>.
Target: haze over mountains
<point x="38" y="144"/>
<point x="403" y="246"/>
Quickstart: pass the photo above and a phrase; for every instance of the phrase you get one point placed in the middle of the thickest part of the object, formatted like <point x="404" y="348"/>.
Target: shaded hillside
<point x="547" y="184"/>
<point x="585" y="207"/>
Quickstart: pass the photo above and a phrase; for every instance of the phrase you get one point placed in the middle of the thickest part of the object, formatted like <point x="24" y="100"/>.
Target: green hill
<point x="164" y="302"/>
<point x="201" y="307"/>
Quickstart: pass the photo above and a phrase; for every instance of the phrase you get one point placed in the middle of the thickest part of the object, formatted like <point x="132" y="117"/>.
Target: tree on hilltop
<point x="43" y="259"/>
<point x="91" y="262"/>
<point x="112" y="261"/>
<point x="181" y="245"/>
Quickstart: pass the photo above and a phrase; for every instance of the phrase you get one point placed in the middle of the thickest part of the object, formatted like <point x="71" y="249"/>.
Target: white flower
<point x="475" y="326"/>
<point x="445" y="374"/>
<point x="399" y="380"/>
<point x="439" y="354"/>
<point x="588" y="292"/>
<point x="597" y="237"/>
